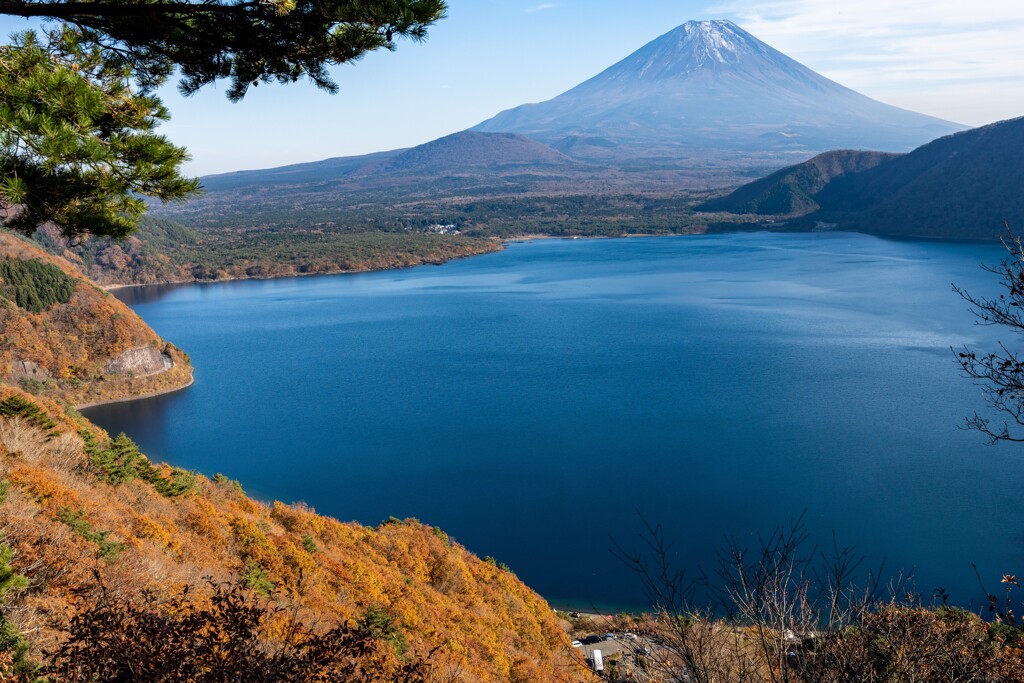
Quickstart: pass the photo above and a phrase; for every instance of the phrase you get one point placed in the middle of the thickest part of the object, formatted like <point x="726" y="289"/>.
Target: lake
<point x="534" y="402"/>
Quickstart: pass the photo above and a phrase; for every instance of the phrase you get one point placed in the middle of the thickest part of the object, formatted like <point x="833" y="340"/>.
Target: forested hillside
<point x="166" y="251"/>
<point x="961" y="186"/>
<point x="792" y="191"/>
<point x="88" y="517"/>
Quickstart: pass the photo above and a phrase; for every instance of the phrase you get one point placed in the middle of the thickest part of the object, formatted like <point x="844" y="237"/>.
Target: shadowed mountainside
<point x="961" y="186"/>
<point x="792" y="190"/>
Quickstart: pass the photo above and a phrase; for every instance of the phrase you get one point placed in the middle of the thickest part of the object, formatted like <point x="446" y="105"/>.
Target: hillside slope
<point x="62" y="336"/>
<point x="960" y="186"/>
<point x="465" y="150"/>
<point x="792" y="190"/>
<point x="85" y="514"/>
<point x="87" y="519"/>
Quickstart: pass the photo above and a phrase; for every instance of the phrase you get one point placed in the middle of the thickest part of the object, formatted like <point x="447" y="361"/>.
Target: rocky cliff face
<point x="140" y="361"/>
<point x="25" y="370"/>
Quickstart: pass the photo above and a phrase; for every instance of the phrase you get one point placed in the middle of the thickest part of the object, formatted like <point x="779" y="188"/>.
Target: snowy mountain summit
<point x="710" y="85"/>
<point x="693" y="46"/>
<point x="718" y="52"/>
<point x="711" y="41"/>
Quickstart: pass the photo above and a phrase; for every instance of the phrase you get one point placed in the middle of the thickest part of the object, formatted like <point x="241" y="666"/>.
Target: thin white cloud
<point x="542" y="7"/>
<point x="959" y="60"/>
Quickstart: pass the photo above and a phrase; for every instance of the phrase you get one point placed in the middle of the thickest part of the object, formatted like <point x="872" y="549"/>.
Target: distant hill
<point x="470" y="150"/>
<point x="793" y="190"/>
<point x="483" y="156"/>
<point x="465" y="152"/>
<point x="64" y="337"/>
<point x="710" y="85"/>
<point x="294" y="174"/>
<point x="961" y="186"/>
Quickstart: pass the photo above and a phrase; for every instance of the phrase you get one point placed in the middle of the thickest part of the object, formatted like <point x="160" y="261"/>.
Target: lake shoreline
<point x="504" y="241"/>
<point x="113" y="287"/>
<point x="500" y="241"/>
<point x="153" y="394"/>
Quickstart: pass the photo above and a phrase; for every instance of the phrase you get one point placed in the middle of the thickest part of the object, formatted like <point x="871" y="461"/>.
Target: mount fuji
<point x="704" y="106"/>
<point x="710" y="86"/>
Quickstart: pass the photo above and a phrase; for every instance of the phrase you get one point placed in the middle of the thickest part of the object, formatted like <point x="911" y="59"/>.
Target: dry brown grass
<point x="65" y="452"/>
<point x="21" y="439"/>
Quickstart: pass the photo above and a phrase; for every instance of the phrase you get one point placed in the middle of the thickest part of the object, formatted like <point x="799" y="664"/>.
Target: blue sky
<point x="958" y="60"/>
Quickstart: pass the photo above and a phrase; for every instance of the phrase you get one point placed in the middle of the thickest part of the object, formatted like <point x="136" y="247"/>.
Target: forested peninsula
<point x="163" y="251"/>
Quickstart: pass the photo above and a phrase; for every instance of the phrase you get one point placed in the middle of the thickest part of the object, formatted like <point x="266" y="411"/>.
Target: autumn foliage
<point x="69" y="521"/>
<point x="67" y="329"/>
<point x="232" y="636"/>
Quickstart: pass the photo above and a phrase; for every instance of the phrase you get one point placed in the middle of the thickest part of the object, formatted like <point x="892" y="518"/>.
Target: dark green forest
<point x="34" y="285"/>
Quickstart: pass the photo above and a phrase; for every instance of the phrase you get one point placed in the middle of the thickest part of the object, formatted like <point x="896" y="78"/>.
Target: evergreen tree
<point x="77" y="114"/>
<point x="120" y="462"/>
<point x="33" y="284"/>
<point x="77" y="146"/>
<point x="246" y="41"/>
<point x="15" y="406"/>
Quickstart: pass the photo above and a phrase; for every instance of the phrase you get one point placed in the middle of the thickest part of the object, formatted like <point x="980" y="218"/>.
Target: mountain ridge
<point x="793" y="190"/>
<point x="965" y="185"/>
<point x="961" y="186"/>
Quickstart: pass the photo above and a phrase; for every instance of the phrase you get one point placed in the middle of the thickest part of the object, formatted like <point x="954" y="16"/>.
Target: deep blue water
<point x="531" y="402"/>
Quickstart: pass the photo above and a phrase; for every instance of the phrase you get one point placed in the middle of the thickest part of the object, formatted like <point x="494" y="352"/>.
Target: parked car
<point x="590" y="640"/>
<point x="577" y="643"/>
